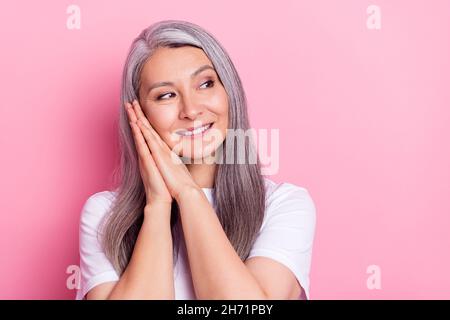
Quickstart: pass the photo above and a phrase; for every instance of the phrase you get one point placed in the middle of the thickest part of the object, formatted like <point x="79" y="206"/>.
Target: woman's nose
<point x="190" y="108"/>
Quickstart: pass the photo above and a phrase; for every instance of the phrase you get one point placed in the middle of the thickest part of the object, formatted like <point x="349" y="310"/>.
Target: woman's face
<point x="180" y="90"/>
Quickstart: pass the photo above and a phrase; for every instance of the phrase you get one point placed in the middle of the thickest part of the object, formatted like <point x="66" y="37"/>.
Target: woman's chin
<point x="198" y="157"/>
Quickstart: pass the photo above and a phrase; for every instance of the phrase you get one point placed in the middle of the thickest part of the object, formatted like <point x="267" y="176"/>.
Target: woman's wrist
<point x="162" y="209"/>
<point x="188" y="193"/>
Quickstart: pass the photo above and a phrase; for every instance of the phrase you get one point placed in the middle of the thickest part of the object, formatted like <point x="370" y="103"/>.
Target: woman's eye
<point x="162" y="95"/>
<point x="209" y="81"/>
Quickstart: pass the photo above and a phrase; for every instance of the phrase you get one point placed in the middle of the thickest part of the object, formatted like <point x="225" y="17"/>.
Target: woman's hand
<point x="155" y="187"/>
<point x="174" y="172"/>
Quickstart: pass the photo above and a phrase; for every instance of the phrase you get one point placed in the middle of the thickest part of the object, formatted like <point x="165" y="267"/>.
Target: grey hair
<point x="239" y="191"/>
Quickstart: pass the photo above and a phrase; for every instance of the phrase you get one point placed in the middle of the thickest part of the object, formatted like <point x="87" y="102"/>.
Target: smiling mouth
<point x="195" y="132"/>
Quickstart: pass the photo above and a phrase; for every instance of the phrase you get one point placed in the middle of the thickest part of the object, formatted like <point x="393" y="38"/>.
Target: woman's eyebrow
<point x="168" y="83"/>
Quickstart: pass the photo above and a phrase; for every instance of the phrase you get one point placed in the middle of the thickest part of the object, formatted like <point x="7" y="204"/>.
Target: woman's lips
<point x="200" y="131"/>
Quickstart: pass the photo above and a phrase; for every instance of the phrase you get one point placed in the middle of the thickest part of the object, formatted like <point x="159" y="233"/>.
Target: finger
<point x="150" y="138"/>
<point x="145" y="125"/>
<point x="130" y="112"/>
<point x="160" y="151"/>
<point x="154" y="140"/>
<point x="141" y="116"/>
<point x="143" y="151"/>
<point x="147" y="164"/>
<point x="146" y="159"/>
<point x="136" y="112"/>
<point x="139" y="113"/>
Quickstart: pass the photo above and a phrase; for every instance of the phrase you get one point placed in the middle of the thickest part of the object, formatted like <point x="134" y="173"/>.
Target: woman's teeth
<point x="196" y="131"/>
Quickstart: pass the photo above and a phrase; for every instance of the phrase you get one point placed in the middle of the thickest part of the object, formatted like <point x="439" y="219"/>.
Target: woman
<point x="182" y="224"/>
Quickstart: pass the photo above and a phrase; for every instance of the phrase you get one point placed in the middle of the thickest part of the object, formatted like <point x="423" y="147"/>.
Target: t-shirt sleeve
<point x="94" y="265"/>
<point x="287" y="232"/>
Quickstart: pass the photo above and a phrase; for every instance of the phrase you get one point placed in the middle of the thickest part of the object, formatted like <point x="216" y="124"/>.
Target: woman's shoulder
<point x="287" y="197"/>
<point x="285" y="190"/>
<point x="96" y="206"/>
<point x="288" y="229"/>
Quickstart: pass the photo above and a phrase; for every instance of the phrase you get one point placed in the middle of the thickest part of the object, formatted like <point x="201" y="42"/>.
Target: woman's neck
<point x="203" y="174"/>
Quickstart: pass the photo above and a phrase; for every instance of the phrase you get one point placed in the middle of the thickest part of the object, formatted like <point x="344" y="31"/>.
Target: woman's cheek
<point x="159" y="116"/>
<point x="162" y="120"/>
<point x="219" y="101"/>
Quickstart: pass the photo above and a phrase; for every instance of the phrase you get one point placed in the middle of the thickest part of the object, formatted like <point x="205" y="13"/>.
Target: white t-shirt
<point x="286" y="236"/>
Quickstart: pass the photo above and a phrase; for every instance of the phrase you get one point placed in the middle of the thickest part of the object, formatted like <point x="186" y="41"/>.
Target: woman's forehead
<point x="170" y="64"/>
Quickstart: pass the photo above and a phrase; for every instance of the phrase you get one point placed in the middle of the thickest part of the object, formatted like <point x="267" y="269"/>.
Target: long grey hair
<point x="239" y="191"/>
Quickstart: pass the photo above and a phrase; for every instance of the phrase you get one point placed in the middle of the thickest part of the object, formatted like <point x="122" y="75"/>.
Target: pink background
<point x="363" y="115"/>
